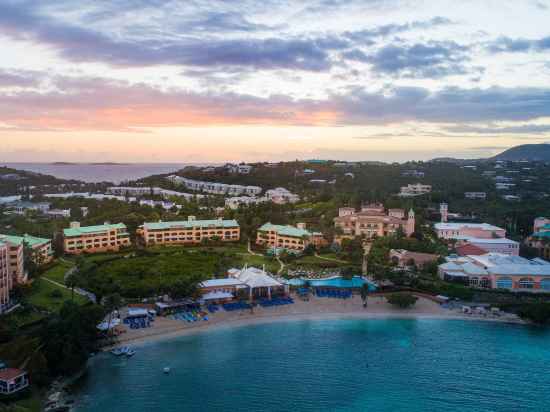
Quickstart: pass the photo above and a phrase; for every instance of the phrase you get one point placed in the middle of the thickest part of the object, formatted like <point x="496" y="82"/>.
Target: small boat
<point x="121" y="351"/>
<point x="166" y="370"/>
<point x="130" y="353"/>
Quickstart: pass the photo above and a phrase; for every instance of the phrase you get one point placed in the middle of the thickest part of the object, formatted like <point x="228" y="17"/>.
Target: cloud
<point x="18" y="78"/>
<point x="80" y="44"/>
<point x="99" y="104"/>
<point x="431" y="60"/>
<point x="519" y="45"/>
<point x="366" y="36"/>
<point x="449" y="105"/>
<point x="523" y="129"/>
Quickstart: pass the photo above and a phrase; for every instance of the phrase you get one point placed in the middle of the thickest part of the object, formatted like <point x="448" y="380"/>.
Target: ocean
<point x="93" y="173"/>
<point x="331" y="365"/>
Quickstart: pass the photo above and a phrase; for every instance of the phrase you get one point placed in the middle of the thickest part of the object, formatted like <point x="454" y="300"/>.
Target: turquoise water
<point x="335" y="282"/>
<point x="336" y="365"/>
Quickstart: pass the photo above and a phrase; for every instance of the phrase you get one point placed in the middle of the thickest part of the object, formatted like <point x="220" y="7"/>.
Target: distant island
<point x="93" y="164"/>
<point x="528" y="152"/>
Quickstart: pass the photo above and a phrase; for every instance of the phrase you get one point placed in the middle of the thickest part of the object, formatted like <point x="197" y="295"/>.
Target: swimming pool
<point x="334" y="282"/>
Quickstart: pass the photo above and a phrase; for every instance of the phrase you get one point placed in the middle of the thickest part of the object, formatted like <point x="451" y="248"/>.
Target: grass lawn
<point x="332" y="256"/>
<point x="57" y="273"/>
<point x="20" y="318"/>
<point x="29" y="404"/>
<point x="41" y="295"/>
<point x="271" y="265"/>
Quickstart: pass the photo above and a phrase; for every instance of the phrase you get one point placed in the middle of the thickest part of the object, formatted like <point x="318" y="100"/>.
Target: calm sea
<point x="98" y="173"/>
<point x="336" y="365"/>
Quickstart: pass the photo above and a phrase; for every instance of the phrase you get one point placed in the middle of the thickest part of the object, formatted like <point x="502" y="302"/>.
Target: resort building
<point x="42" y="247"/>
<point x="190" y="231"/>
<point x="21" y="207"/>
<point x="373" y="220"/>
<point x="404" y="258"/>
<point x="288" y="237"/>
<point x="281" y="196"/>
<point x="239" y="169"/>
<point x="6" y="282"/>
<point x="95" y="239"/>
<point x="139" y="191"/>
<point x="235" y="202"/>
<point x="498" y="271"/>
<point x="450" y="231"/>
<point x="12" y="381"/>
<point x="221" y="290"/>
<point x="540" y="239"/>
<point x="413" y="173"/>
<point x="416" y="189"/>
<point x="215" y="188"/>
<point x="475" y="195"/>
<point x="59" y="213"/>
<point x="159" y="203"/>
<point x="16" y="261"/>
<point x="496" y="245"/>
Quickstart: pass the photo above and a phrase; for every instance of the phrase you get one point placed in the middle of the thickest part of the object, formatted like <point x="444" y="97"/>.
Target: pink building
<point x="499" y="245"/>
<point x="373" y="220"/>
<point x="464" y="231"/>
<point x="6" y="281"/>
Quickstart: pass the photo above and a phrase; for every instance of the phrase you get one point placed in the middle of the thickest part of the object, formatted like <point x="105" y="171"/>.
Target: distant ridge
<point x="530" y="152"/>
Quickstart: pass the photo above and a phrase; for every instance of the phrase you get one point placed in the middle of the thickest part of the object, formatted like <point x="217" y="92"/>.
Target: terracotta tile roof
<point x="469" y="249"/>
<point x="10" y="374"/>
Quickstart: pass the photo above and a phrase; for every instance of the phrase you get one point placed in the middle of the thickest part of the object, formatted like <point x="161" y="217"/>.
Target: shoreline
<point x="253" y="320"/>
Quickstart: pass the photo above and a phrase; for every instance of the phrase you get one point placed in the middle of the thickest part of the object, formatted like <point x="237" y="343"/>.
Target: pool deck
<point x="314" y="309"/>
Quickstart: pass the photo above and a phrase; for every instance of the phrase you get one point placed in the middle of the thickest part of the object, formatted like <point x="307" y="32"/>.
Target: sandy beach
<point x="314" y="309"/>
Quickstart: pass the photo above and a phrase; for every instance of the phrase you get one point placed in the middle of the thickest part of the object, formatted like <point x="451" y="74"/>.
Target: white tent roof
<point x="137" y="312"/>
<point x="217" y="295"/>
<point x="107" y="325"/>
<point x="256" y="278"/>
<point x="220" y="282"/>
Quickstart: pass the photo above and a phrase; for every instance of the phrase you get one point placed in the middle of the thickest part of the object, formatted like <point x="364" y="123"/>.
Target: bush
<point x="56" y="294"/>
<point x="536" y="312"/>
<point x="403" y="300"/>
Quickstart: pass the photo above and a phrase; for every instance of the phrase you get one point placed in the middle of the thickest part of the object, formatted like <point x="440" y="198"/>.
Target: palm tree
<point x="365" y="294"/>
<point x="111" y="303"/>
<point x="71" y="281"/>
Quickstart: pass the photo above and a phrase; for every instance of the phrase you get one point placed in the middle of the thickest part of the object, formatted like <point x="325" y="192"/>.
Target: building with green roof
<point x="292" y="238"/>
<point x="95" y="239"/>
<point x="190" y="231"/>
<point x="42" y="246"/>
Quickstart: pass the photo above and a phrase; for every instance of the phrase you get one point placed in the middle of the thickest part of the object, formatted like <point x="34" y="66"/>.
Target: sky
<point x="214" y="81"/>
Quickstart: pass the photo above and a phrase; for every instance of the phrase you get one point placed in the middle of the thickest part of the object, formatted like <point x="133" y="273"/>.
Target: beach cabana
<point x="217" y="297"/>
<point x="259" y="282"/>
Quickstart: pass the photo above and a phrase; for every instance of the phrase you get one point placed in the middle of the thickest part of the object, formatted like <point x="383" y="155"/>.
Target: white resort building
<point x="215" y="188"/>
<point x="281" y="196"/>
<point x="416" y="189"/>
<point x="497" y="271"/>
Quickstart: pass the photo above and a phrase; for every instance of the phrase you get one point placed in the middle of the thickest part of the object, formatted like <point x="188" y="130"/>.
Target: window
<point x="504" y="283"/>
<point x="545" y="284"/>
<point x="526" y="283"/>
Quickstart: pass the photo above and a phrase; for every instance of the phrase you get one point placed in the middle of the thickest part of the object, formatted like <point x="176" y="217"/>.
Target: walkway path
<point x="82" y="292"/>
<point x="317" y="255"/>
<point x="282" y="266"/>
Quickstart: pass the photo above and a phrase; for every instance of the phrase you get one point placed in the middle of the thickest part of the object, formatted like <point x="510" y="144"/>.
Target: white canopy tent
<point x="257" y="279"/>
<point x="216" y="295"/>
